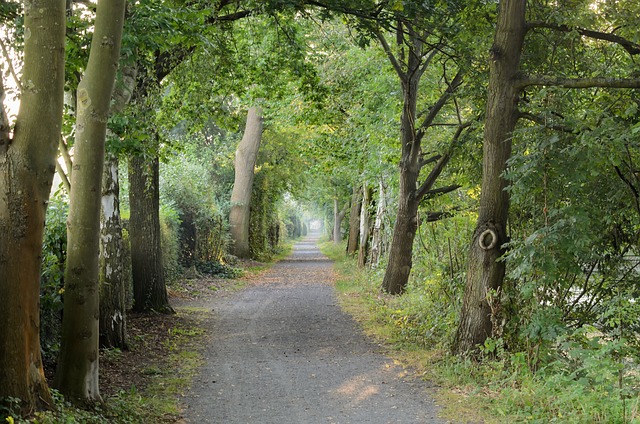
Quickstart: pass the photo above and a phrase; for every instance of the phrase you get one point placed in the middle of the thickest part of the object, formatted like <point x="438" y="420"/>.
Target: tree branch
<point x="425" y="187"/>
<point x="64" y="152"/>
<point x="442" y="190"/>
<point x="432" y="159"/>
<point x="438" y="105"/>
<point x="394" y="61"/>
<point x="604" y="82"/>
<point x="631" y="47"/>
<point x="65" y="180"/>
<point x="543" y="122"/>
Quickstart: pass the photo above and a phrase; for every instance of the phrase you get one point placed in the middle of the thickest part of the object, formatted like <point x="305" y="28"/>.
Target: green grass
<point x="580" y="389"/>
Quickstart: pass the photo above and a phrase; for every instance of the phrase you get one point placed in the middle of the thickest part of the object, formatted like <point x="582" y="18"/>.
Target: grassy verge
<point x="594" y="387"/>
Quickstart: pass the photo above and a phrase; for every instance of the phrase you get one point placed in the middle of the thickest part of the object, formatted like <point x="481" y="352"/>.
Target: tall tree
<point x="27" y="165"/>
<point x="77" y="370"/>
<point x="245" y="162"/>
<point x="485" y="273"/>
<point x="113" y="275"/>
<point x="410" y="68"/>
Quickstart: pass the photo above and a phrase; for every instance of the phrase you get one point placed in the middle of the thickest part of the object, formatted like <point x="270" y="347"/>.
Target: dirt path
<point x="282" y="352"/>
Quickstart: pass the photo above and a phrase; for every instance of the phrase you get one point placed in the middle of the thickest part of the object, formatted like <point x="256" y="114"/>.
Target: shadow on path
<point x="281" y="351"/>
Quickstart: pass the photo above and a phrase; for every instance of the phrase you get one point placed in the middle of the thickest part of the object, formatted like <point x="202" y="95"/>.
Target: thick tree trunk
<point x="485" y="272"/>
<point x="149" y="286"/>
<point x="245" y="162"/>
<point x="113" y="278"/>
<point x="26" y="173"/>
<point x="77" y="370"/>
<point x="354" y="221"/>
<point x="365" y="227"/>
<point x="404" y="232"/>
<point x="401" y="251"/>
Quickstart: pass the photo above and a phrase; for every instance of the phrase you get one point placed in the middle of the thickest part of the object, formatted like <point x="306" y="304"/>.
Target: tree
<point x="485" y="273"/>
<point x="245" y="162"/>
<point x="354" y="221"/>
<point x="113" y="275"/>
<point x="77" y="370"/>
<point x="27" y="165"/>
<point x="410" y="70"/>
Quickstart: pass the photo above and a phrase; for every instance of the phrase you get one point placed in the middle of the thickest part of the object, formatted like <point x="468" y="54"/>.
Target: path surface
<point x="282" y="352"/>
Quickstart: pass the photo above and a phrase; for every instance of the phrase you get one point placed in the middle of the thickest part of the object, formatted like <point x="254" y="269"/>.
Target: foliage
<point x="54" y="253"/>
<point x="217" y="269"/>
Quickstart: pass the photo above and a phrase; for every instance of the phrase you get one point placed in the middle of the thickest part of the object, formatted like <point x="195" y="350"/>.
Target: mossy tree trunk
<point x="77" y="370"/>
<point x="365" y="226"/>
<point x="27" y="165"/>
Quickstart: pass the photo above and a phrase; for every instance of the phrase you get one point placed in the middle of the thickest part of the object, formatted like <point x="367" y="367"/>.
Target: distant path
<point x="283" y="352"/>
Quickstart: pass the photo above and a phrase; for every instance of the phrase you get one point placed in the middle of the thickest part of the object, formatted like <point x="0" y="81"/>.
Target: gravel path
<point x="283" y="352"/>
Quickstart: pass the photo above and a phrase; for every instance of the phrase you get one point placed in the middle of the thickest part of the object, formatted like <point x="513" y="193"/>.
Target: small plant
<point x="218" y="270"/>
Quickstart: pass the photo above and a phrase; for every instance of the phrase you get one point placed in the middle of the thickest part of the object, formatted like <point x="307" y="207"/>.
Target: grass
<point x="584" y="387"/>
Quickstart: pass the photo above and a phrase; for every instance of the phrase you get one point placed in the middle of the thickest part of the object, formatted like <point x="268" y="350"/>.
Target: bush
<point x="54" y="255"/>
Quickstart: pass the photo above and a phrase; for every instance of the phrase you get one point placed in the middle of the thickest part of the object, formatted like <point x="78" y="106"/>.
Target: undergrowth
<point x="580" y="378"/>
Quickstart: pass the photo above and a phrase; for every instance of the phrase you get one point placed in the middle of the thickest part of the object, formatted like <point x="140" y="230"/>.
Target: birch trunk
<point x="365" y="227"/>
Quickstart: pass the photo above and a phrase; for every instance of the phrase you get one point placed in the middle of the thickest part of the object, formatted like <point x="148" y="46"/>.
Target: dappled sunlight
<point x="358" y="389"/>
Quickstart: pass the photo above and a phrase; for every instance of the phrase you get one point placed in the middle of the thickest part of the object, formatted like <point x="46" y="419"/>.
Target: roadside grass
<point x="592" y="388"/>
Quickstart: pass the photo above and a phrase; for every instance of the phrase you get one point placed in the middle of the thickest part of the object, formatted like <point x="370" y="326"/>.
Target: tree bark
<point x="338" y="216"/>
<point x="377" y="243"/>
<point x="27" y="166"/>
<point x="354" y="221"/>
<point x="149" y="286"/>
<point x="113" y="278"/>
<point x="245" y="162"/>
<point x="410" y="72"/>
<point x="77" y="370"/>
<point x="365" y="227"/>
<point x="484" y="271"/>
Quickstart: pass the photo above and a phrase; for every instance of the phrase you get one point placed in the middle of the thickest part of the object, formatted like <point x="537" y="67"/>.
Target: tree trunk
<point x="113" y="279"/>
<point x="245" y="162"/>
<point x="365" y="227"/>
<point x="149" y="287"/>
<point x="77" y="370"/>
<point x="377" y="243"/>
<point x="338" y="216"/>
<point x="26" y="173"/>
<point x="485" y="272"/>
<point x="404" y="232"/>
<point x="188" y="240"/>
<point x="354" y="221"/>
<point x="114" y="276"/>
<point x="401" y="251"/>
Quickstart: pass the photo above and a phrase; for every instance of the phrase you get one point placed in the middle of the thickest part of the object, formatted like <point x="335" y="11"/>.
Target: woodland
<point x="474" y="161"/>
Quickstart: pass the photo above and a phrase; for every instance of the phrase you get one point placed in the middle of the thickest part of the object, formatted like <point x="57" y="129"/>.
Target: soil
<point x="282" y="351"/>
